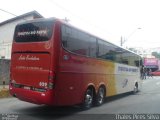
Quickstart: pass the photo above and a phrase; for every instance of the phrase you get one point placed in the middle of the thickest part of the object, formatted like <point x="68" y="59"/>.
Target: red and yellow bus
<point x="54" y="63"/>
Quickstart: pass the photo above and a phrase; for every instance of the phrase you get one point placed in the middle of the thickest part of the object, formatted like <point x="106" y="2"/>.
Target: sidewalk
<point x="4" y="91"/>
<point x="4" y="87"/>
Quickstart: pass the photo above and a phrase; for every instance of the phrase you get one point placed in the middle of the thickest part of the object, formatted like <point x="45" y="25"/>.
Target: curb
<point x="4" y="93"/>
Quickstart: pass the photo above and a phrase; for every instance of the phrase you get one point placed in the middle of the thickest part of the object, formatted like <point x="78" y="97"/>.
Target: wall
<point x="6" y="36"/>
<point x="4" y="71"/>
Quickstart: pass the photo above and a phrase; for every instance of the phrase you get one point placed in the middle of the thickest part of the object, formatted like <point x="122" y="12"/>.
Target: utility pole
<point x="122" y="41"/>
<point x="66" y="19"/>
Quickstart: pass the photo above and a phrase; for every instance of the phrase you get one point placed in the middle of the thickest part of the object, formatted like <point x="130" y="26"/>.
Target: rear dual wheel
<point x="90" y="97"/>
<point x="100" y="96"/>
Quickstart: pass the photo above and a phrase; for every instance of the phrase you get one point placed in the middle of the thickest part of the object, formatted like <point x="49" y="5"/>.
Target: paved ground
<point x="127" y="105"/>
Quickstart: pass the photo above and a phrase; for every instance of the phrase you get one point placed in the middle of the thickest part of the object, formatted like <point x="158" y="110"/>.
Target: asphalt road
<point x="146" y="101"/>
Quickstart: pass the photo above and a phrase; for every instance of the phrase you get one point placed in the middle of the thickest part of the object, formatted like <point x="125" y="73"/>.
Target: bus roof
<point x="63" y="22"/>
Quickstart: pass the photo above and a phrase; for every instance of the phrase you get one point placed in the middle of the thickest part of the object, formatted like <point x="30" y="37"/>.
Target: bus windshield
<point x="34" y="32"/>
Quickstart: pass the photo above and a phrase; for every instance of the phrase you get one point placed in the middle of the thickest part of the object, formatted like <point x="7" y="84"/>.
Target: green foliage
<point x="4" y="92"/>
<point x="133" y="49"/>
<point x="156" y="54"/>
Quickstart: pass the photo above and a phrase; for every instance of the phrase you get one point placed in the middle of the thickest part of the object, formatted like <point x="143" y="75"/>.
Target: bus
<point x="55" y="63"/>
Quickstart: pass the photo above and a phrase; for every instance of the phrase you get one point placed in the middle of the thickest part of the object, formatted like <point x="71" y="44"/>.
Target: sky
<point x="136" y="21"/>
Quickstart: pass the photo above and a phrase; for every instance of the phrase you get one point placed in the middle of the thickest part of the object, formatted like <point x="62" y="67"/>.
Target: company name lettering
<point x="126" y="69"/>
<point x="29" y="68"/>
<point x="35" y="32"/>
<point x="28" y="57"/>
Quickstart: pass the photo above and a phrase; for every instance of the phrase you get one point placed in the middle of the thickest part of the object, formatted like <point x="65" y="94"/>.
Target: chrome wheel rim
<point x="101" y="95"/>
<point x="88" y="98"/>
<point x="135" y="89"/>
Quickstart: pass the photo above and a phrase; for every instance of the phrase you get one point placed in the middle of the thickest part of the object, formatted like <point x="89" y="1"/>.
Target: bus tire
<point x="135" y="90"/>
<point x="100" y="96"/>
<point x="88" y="99"/>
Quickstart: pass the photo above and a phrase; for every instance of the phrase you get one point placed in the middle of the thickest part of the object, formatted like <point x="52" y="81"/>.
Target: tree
<point x="156" y="54"/>
<point x="133" y="49"/>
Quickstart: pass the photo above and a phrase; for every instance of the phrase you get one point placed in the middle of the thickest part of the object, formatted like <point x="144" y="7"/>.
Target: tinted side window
<point x="81" y="43"/>
<point x="111" y="52"/>
<point x="92" y="46"/>
<point x="105" y="50"/>
<point x="132" y="59"/>
<point x="78" y="42"/>
<point x="125" y="57"/>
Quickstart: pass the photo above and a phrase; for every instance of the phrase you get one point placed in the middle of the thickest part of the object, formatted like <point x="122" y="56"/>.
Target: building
<point x="7" y="30"/>
<point x="151" y="63"/>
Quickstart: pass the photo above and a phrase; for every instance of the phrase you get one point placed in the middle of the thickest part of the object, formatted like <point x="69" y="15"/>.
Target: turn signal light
<point x="51" y="78"/>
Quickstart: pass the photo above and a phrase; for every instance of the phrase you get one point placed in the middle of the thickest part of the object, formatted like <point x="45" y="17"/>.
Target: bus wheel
<point x="88" y="99"/>
<point x="135" y="90"/>
<point x="100" y="96"/>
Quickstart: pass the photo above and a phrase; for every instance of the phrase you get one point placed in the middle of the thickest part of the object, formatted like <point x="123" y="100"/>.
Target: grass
<point x="4" y="93"/>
